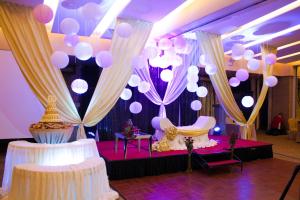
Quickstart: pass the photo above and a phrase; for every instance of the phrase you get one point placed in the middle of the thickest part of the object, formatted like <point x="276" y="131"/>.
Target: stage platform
<point x="138" y="164"/>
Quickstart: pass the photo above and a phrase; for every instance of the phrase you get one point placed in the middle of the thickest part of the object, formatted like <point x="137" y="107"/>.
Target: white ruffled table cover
<point x="23" y="152"/>
<point x="84" y="181"/>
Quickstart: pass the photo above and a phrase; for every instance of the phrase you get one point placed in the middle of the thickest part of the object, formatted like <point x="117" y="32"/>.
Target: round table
<point x="23" y="152"/>
<point x="84" y="181"/>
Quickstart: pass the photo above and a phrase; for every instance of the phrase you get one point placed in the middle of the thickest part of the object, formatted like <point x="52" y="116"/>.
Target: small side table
<point x="137" y="137"/>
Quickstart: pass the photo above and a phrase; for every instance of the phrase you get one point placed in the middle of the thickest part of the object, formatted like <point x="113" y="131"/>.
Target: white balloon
<point x="271" y="81"/>
<point x="83" y="51"/>
<point x="69" y="26"/>
<point x="176" y="61"/>
<point x="234" y="82"/>
<point x="144" y="87"/>
<point x="155" y="62"/>
<point x="253" y="64"/>
<point x="104" y="59"/>
<point x="248" y="54"/>
<point x="193" y="78"/>
<point x="202" y="91"/>
<point x="165" y="61"/>
<point x="164" y="44"/>
<point x="135" y="107"/>
<point x="193" y="69"/>
<point x="124" y="29"/>
<point x="179" y="42"/>
<point x="60" y="59"/>
<point x="166" y="75"/>
<point x="196" y="105"/>
<point x="203" y="60"/>
<point x="170" y="52"/>
<point x="186" y="50"/>
<point x="192" y="87"/>
<point x="242" y="74"/>
<point x="79" y="86"/>
<point x="134" y="80"/>
<point x="270" y="59"/>
<point x="91" y="11"/>
<point x="237" y="51"/>
<point x="151" y="52"/>
<point x="247" y="101"/>
<point x="139" y="62"/>
<point x="126" y="94"/>
<point x="211" y="69"/>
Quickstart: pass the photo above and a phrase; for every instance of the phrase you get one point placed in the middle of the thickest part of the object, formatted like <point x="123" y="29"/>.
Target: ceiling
<point x="215" y="16"/>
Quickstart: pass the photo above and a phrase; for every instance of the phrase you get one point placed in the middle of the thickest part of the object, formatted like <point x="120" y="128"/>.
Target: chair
<point x="293" y="128"/>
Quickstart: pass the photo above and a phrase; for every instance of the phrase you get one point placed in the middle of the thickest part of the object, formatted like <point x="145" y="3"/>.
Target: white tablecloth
<point x="84" y="181"/>
<point x="23" y="152"/>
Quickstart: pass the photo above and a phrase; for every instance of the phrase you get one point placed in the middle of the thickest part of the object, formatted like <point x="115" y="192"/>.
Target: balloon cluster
<point x="210" y="68"/>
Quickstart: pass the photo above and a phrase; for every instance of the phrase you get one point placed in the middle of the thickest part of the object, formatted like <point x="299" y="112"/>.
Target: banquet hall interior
<point x="149" y="99"/>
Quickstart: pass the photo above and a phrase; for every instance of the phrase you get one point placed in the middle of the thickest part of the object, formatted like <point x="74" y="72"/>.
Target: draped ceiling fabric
<point x="31" y="48"/>
<point x="211" y="46"/>
<point x="113" y="80"/>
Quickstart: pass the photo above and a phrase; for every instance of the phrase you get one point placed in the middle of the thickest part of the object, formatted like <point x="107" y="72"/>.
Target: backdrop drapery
<point x="211" y="46"/>
<point x="31" y="48"/>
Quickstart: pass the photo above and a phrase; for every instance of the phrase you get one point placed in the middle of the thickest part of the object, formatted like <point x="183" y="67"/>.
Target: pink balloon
<point x="71" y="40"/>
<point x="242" y="74"/>
<point x="270" y="59"/>
<point x="104" y="59"/>
<point x="164" y="44"/>
<point x="124" y="30"/>
<point x="43" y="13"/>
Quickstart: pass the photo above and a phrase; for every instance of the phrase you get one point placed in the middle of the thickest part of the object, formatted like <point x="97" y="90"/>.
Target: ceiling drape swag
<point x="211" y="46"/>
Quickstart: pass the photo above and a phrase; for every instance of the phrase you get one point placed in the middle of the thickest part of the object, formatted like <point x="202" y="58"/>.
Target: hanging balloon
<point x="135" y="107"/>
<point x="124" y="30"/>
<point x="193" y="69"/>
<point x="144" y="87"/>
<point x="126" y="94"/>
<point x="104" y="59"/>
<point x="234" y="82"/>
<point x="176" y="61"/>
<point x="139" y="62"/>
<point x="202" y="91"/>
<point x="83" y="51"/>
<point x="91" y="11"/>
<point x="196" y="105"/>
<point x="151" y="52"/>
<point x="192" y="87"/>
<point x="271" y="81"/>
<point x="203" y="61"/>
<point x="237" y="51"/>
<point x="71" y="40"/>
<point x="170" y="52"/>
<point x="60" y="59"/>
<point x="79" y="86"/>
<point x="134" y="80"/>
<point x="211" y="69"/>
<point x="164" y="44"/>
<point x="165" y="61"/>
<point x="270" y="59"/>
<point x="155" y="122"/>
<point x="247" y="101"/>
<point x="179" y="42"/>
<point x="248" y="54"/>
<point x="253" y="64"/>
<point x="242" y="74"/>
<point x="186" y="50"/>
<point x="43" y="13"/>
<point x="166" y="75"/>
<point x="155" y="62"/>
<point x="193" y="78"/>
<point x="69" y="26"/>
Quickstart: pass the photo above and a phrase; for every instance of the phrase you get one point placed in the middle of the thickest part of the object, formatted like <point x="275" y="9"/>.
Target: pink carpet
<point x="106" y="148"/>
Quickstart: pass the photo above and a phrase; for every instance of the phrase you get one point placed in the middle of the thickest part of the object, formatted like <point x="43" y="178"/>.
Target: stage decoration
<point x="170" y="52"/>
<point x="211" y="45"/>
<point x="196" y="105"/>
<point x="126" y="94"/>
<point x="271" y="81"/>
<point x="139" y="62"/>
<point x="234" y="82"/>
<point x="129" y="130"/>
<point x="186" y="50"/>
<point x="166" y="75"/>
<point x="192" y="87"/>
<point x="248" y="54"/>
<point x="71" y="40"/>
<point x="69" y="26"/>
<point x="176" y="61"/>
<point x="189" y="146"/>
<point x="193" y="69"/>
<point x="203" y="60"/>
<point x="91" y="11"/>
<point x="144" y="87"/>
<point x="242" y="74"/>
<point x="51" y="129"/>
<point x="43" y="13"/>
<point x="173" y="137"/>
<point x="151" y="52"/>
<point x="134" y="80"/>
<point x="124" y="30"/>
<point x="179" y="42"/>
<point x="237" y="51"/>
<point x="164" y="44"/>
<point x="135" y="107"/>
<point x="79" y="86"/>
<point x="155" y="62"/>
<point x="83" y="51"/>
<point x="104" y="59"/>
<point x="270" y="59"/>
<point x="60" y="59"/>
<point x="202" y="91"/>
<point x="211" y="69"/>
<point x="192" y="78"/>
<point x="253" y="64"/>
<point x="247" y="101"/>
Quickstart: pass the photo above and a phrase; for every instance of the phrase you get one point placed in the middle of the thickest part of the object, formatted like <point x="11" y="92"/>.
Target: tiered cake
<point x="51" y="129"/>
